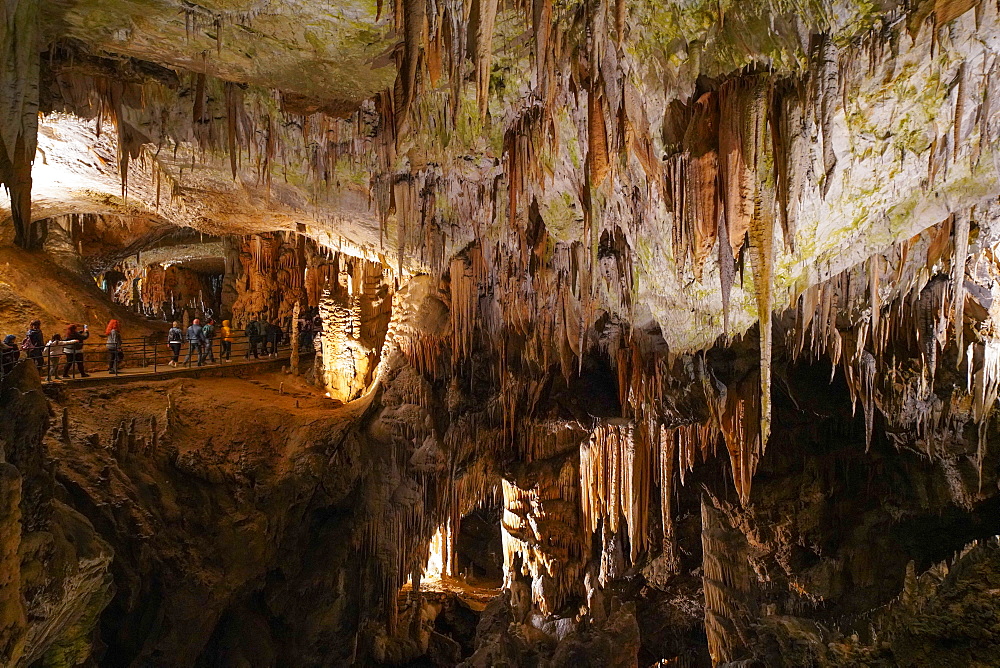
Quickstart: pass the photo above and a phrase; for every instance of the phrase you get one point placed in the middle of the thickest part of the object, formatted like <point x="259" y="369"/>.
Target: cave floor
<point x="235" y="422"/>
<point x="472" y="593"/>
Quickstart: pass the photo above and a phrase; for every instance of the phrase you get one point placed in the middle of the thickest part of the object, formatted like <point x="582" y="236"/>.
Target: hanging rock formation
<point x="665" y="332"/>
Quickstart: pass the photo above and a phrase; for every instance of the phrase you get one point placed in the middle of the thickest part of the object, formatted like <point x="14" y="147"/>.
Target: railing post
<point x="154" y="357"/>
<point x="144" y="352"/>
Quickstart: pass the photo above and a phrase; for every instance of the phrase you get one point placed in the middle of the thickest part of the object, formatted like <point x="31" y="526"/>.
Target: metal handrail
<point x="154" y="351"/>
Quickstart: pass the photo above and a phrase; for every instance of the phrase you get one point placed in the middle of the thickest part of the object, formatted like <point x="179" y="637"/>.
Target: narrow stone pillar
<point x="231" y="258"/>
<point x="295" y="338"/>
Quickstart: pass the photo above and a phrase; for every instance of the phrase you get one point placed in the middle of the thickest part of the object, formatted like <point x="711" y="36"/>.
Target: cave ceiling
<point x="321" y="55"/>
<point x="566" y="255"/>
<point x="876" y="88"/>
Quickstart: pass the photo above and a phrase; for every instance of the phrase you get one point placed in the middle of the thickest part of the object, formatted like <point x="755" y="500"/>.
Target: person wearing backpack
<point x="255" y="334"/>
<point x="208" y="331"/>
<point x="174" y="339"/>
<point x="9" y="354"/>
<point x="34" y="343"/>
<point x="114" y="345"/>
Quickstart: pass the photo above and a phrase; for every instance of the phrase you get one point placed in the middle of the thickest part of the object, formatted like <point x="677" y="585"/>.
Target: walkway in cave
<point x="98" y="374"/>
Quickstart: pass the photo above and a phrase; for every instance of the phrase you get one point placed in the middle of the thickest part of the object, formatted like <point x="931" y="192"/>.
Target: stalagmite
<point x="726" y="580"/>
<point x="668" y="458"/>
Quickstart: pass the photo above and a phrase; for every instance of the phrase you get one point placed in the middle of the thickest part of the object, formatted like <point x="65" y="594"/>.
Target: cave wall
<point x="56" y="568"/>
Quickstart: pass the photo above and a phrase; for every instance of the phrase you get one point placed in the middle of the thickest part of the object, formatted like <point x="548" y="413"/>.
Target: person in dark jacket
<point x="174" y="339"/>
<point x="255" y="335"/>
<point x="34" y="343"/>
<point x="274" y="336"/>
<point x="196" y="342"/>
<point x="208" y="333"/>
<point x="305" y="333"/>
<point x="9" y="354"/>
<point x="114" y="344"/>
<point x="73" y="349"/>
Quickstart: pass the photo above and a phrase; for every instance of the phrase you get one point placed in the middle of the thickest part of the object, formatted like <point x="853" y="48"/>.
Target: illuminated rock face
<point x="355" y="309"/>
<point x="698" y="297"/>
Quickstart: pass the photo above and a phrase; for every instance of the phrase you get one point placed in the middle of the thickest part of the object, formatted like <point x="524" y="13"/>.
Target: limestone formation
<point x="644" y="332"/>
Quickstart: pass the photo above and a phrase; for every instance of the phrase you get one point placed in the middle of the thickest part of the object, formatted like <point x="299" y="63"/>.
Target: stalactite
<point x="985" y="388"/>
<point x="786" y="128"/>
<point x="868" y="370"/>
<point x="234" y="105"/>
<point x="736" y="178"/>
<point x="598" y="164"/>
<point x="947" y="10"/>
<point x="727" y="271"/>
<point x="112" y="95"/>
<point x="541" y="19"/>
<point x="827" y="75"/>
<point x="874" y="297"/>
<point x="411" y="23"/>
<point x="19" y="81"/>
<point x="464" y="298"/>
<point x="522" y="143"/>
<point x="959" y="138"/>
<point x="931" y="322"/>
<point x="761" y="233"/>
<point x="958" y="280"/>
<point x="701" y="199"/>
<point x="676" y="177"/>
<point x="615" y="482"/>
<point x="484" y="53"/>
<point x="740" y="415"/>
